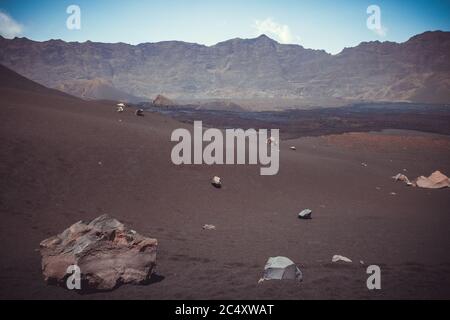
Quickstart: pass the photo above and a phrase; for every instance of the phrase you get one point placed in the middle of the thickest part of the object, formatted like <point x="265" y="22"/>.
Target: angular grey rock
<point x="107" y="253"/>
<point x="305" y="214"/>
<point x="281" y="268"/>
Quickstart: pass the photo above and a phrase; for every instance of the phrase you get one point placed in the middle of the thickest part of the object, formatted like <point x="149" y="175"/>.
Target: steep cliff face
<point x="260" y="68"/>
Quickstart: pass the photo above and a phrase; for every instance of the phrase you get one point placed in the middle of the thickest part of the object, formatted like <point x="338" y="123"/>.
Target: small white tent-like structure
<point x="281" y="268"/>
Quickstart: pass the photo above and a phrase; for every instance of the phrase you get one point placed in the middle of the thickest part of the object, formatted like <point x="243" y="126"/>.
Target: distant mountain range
<point x="257" y="73"/>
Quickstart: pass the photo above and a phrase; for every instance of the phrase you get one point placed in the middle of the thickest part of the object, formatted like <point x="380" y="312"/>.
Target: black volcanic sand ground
<point x="324" y="121"/>
<point x="62" y="160"/>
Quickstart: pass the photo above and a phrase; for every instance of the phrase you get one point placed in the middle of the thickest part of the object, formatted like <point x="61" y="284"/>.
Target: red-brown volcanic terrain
<point x="63" y="159"/>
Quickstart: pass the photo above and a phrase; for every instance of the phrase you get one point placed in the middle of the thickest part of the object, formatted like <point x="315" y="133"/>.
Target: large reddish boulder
<point x="106" y="252"/>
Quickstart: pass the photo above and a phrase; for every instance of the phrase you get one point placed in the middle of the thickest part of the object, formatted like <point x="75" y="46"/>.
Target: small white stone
<point x="305" y="214"/>
<point x="337" y="258"/>
<point x="216" y="181"/>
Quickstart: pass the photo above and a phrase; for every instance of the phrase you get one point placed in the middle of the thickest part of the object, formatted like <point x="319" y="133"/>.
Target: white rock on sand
<point x="281" y="268"/>
<point x="403" y="178"/>
<point x="216" y="182"/>
<point x="337" y="258"/>
<point x="305" y="214"/>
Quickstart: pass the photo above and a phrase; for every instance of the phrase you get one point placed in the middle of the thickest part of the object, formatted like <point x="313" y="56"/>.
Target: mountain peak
<point x="437" y="36"/>
<point x="264" y="37"/>
<point x="250" y="69"/>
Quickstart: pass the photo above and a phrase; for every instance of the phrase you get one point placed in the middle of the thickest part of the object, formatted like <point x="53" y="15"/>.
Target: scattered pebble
<point x="216" y="182"/>
<point x="209" y="227"/>
<point x="337" y="258"/>
<point x="305" y="214"/>
<point x="403" y="178"/>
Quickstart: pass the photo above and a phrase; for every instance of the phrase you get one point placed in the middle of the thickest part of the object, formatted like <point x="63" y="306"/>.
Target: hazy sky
<point x="328" y="25"/>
